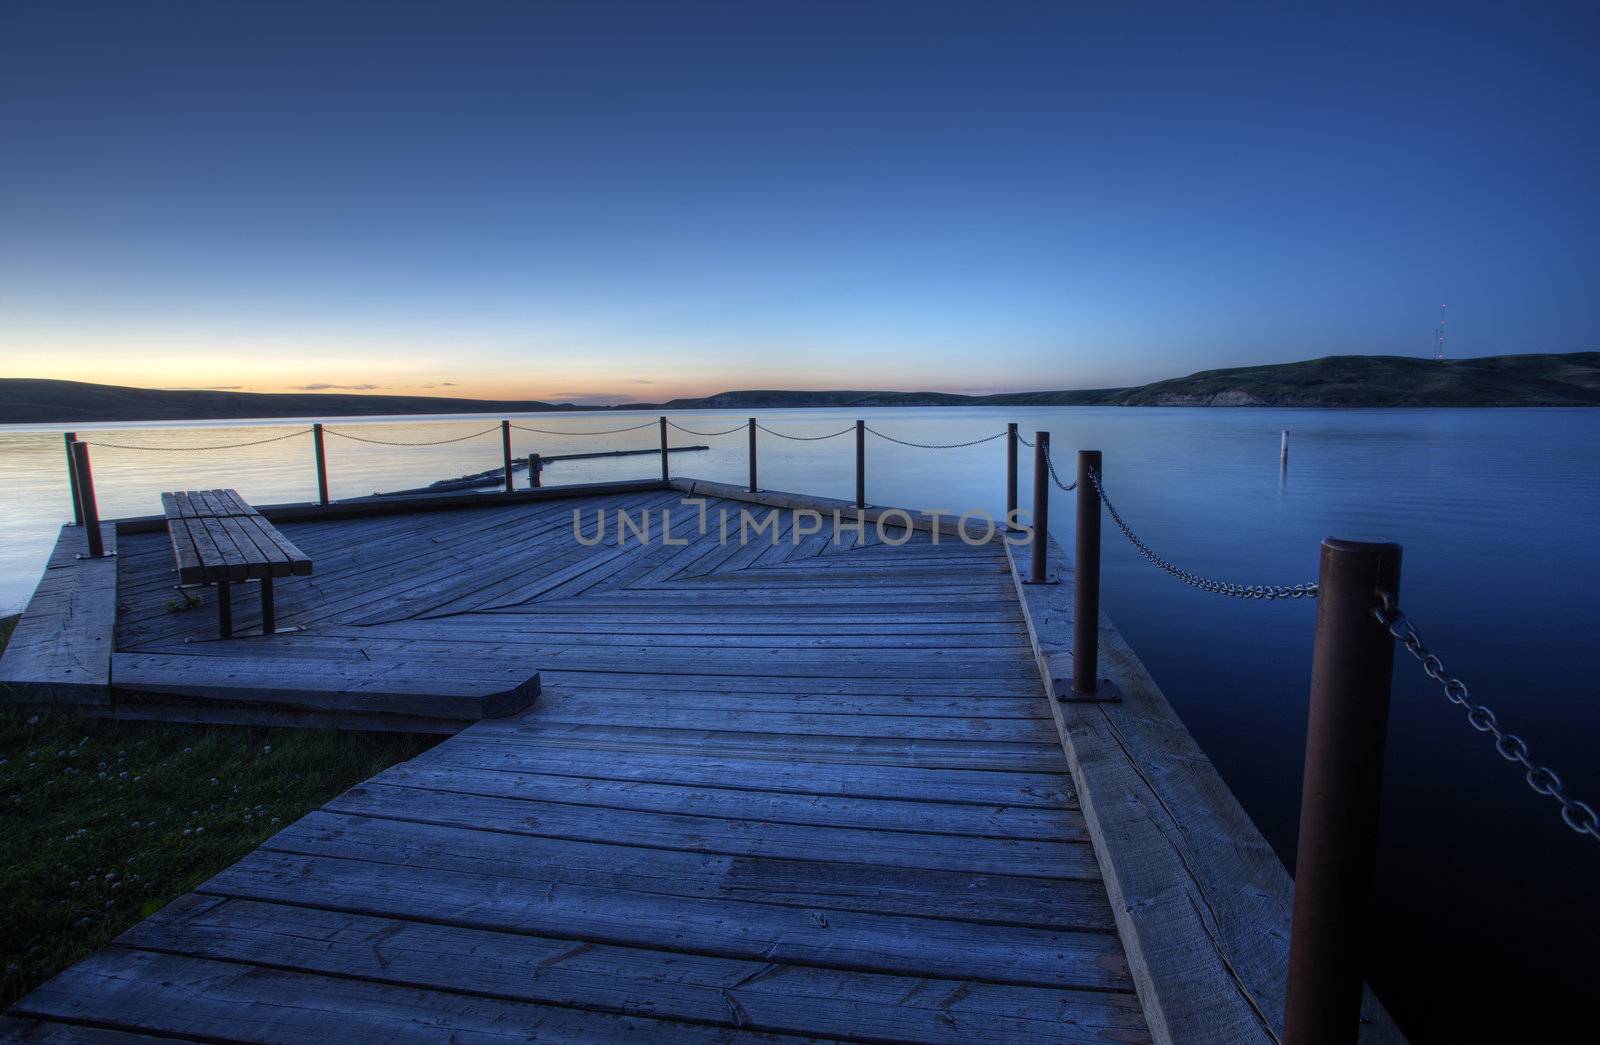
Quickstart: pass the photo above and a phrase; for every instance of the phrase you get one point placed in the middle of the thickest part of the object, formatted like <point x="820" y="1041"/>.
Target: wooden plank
<point x="259" y="562"/>
<point x="456" y="769"/>
<point x="827" y="881"/>
<point x="414" y="687"/>
<point x="1202" y="903"/>
<point x="232" y="1002"/>
<point x="60" y="650"/>
<point x="299" y="562"/>
<point x="51" y="1032"/>
<point x="787" y="998"/>
<point x="793" y="775"/>
<point x="699" y="833"/>
<point x="191" y="565"/>
<point x="870" y="942"/>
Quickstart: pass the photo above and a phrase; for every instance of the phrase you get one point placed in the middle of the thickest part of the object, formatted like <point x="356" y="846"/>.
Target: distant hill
<point x="30" y="400"/>
<point x="1572" y="379"/>
<point x="771" y="399"/>
<point x="1528" y="380"/>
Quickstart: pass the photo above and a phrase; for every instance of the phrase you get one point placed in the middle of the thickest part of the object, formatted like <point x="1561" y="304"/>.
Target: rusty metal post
<point x="72" y="481"/>
<point x="1011" y="473"/>
<point x="505" y="447"/>
<point x="1040" y="541"/>
<point x="1351" y="665"/>
<point x="664" y="475"/>
<point x="322" y="462"/>
<point x="861" y="465"/>
<point x="83" y="477"/>
<point x="752" y="455"/>
<point x="1086" y="591"/>
<point x="535" y="466"/>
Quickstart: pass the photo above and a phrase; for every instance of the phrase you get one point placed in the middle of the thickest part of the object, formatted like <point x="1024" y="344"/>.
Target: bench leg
<point x="269" y="612"/>
<point x="224" y="609"/>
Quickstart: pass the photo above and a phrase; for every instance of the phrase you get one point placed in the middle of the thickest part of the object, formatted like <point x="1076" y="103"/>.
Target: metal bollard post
<point x="1011" y="473"/>
<point x="505" y="447"/>
<point x="664" y="475"/>
<point x="752" y="455"/>
<point x="83" y="476"/>
<point x="1040" y="541"/>
<point x="72" y="481"/>
<point x="861" y="465"/>
<point x="322" y="462"/>
<point x="1351" y="666"/>
<point x="535" y="466"/>
<point x="1086" y="591"/>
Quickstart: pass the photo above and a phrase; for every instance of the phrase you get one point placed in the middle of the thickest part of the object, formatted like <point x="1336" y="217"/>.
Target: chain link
<point x="709" y="435"/>
<point x="935" y="446"/>
<point x="220" y="446"/>
<point x="1050" y="463"/>
<point x="1021" y="439"/>
<point x="602" y="431"/>
<point x="1238" y="591"/>
<point x="806" y="438"/>
<point x="1579" y="816"/>
<point x="396" y="442"/>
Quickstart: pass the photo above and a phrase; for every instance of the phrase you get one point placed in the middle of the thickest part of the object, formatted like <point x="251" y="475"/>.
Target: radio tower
<point x="1438" y="351"/>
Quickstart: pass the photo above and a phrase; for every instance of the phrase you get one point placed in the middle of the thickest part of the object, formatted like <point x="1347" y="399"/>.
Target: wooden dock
<point x="807" y="789"/>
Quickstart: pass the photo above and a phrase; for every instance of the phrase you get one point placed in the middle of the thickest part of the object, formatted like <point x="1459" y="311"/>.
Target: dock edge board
<point x="1201" y="901"/>
<point x="60" y="650"/>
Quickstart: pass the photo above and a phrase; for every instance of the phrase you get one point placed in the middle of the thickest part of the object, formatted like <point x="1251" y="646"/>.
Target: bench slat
<point x="217" y="536"/>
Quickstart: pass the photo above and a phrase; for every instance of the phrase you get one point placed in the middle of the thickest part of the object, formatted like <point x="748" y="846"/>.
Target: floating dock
<point x="815" y="788"/>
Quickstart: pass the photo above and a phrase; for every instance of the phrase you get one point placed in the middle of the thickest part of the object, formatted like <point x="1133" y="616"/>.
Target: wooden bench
<point x="219" y="539"/>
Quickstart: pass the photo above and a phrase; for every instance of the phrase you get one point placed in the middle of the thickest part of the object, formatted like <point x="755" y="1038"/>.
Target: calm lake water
<point x="1486" y="922"/>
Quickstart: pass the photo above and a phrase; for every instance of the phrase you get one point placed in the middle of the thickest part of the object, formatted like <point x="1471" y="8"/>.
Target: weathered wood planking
<point x="60" y="650"/>
<point x="750" y="802"/>
<point x="1202" y="902"/>
<point x="217" y="536"/>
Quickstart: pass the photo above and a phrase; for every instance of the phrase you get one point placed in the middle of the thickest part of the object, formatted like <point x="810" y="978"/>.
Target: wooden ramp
<point x="806" y="789"/>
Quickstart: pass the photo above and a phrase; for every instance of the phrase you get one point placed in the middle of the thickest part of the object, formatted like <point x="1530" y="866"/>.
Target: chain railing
<point x="1050" y="466"/>
<point x="399" y="442"/>
<point x="1579" y="816"/>
<point x="741" y="427"/>
<point x="599" y="431"/>
<point x="936" y="446"/>
<point x="1238" y="591"/>
<point x="183" y="449"/>
<point x="806" y="438"/>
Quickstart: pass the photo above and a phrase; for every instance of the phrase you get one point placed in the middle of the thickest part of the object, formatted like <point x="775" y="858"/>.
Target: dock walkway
<point x="807" y="789"/>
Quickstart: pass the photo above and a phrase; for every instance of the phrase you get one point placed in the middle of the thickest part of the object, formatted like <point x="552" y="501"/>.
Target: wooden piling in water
<point x="1011" y="473"/>
<point x="1086" y="563"/>
<point x="83" y="478"/>
<point x="861" y="465"/>
<point x="1040" y="540"/>
<point x="752" y="455"/>
<point x="72" y="481"/>
<point x="535" y="466"/>
<point x="664" y="474"/>
<point x="505" y="446"/>
<point x="322" y="462"/>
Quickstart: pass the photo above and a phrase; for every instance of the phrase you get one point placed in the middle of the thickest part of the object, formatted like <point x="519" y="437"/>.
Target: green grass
<point x="102" y="823"/>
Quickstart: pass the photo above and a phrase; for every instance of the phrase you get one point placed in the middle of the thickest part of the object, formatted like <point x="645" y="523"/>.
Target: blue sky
<point x="632" y="201"/>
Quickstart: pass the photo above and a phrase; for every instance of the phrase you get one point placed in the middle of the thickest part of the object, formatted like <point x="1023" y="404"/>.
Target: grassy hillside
<point x="1527" y="380"/>
<point x="29" y="400"/>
